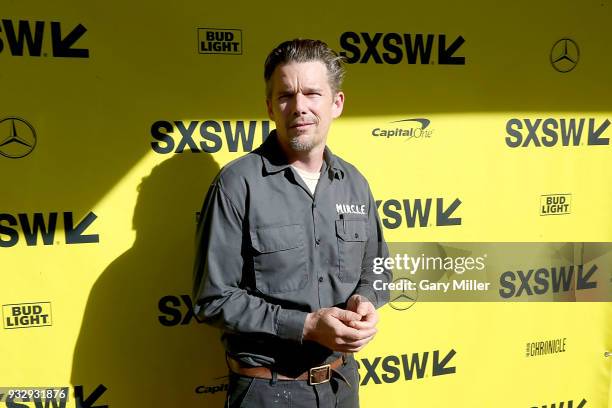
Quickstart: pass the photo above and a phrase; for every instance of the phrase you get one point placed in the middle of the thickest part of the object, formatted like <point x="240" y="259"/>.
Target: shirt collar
<point x="274" y="159"/>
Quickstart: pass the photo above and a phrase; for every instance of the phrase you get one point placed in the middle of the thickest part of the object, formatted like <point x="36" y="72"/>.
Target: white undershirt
<point x="311" y="179"/>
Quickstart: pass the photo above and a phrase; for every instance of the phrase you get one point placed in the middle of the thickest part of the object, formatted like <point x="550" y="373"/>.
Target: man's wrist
<point x="309" y="326"/>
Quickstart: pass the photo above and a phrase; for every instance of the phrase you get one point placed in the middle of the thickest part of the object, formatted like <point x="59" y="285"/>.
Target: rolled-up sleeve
<point x="220" y="272"/>
<point x="375" y="247"/>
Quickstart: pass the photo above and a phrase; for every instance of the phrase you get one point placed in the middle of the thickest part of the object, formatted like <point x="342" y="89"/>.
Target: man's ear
<point x="269" y="108"/>
<point x="338" y="104"/>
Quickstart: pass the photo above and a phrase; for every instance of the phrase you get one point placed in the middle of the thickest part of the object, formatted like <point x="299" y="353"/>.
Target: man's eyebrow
<point x="286" y="91"/>
<point x="313" y="89"/>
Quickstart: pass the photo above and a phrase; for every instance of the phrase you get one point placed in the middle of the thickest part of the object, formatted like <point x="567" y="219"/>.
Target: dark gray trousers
<point x="251" y="392"/>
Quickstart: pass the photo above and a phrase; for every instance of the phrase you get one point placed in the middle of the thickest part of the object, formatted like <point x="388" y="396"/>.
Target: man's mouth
<point x="301" y="125"/>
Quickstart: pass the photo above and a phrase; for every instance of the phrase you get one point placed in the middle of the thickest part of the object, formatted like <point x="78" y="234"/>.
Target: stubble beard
<point x="301" y="145"/>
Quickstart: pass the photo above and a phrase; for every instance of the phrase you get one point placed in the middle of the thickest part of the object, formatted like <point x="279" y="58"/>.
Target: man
<point x="285" y="247"/>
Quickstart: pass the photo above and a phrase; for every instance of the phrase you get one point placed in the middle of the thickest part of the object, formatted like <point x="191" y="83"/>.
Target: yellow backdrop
<point x="475" y="122"/>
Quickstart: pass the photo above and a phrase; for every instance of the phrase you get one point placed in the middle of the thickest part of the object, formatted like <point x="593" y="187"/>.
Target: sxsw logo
<point x="219" y="41"/>
<point x="563" y="404"/>
<point x="544" y="280"/>
<point x="31" y="227"/>
<point x="176" y="310"/>
<point x="207" y="136"/>
<point x="22" y="315"/>
<point x="407" y="367"/>
<point x="58" y="399"/>
<point x="24" y="35"/>
<point x="418" y="212"/>
<point x="551" y="132"/>
<point x="395" y="48"/>
<point x="555" y="204"/>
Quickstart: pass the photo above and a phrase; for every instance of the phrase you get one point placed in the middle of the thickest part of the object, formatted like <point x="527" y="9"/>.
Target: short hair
<point x="305" y="50"/>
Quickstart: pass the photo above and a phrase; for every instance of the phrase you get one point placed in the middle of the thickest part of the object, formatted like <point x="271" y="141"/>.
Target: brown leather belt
<point x="315" y="375"/>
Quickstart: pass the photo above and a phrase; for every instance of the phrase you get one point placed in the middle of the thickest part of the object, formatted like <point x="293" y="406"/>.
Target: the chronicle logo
<point x="22" y="315"/>
<point x="549" y="132"/>
<point x="219" y="41"/>
<point x="178" y="136"/>
<point x="564" y="55"/>
<point x="543" y="348"/>
<point x="33" y="226"/>
<point x="17" y="138"/>
<point x="395" y="48"/>
<point x="406" y="129"/>
<point x="407" y="367"/>
<point x="562" y="404"/>
<point x="20" y="35"/>
<point x="417" y="212"/>
<point x="555" y="204"/>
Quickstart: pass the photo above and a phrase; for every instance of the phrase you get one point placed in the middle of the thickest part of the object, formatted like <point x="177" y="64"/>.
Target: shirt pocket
<point x="352" y="236"/>
<point x="279" y="260"/>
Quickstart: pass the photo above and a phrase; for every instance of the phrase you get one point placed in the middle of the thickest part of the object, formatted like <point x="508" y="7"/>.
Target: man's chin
<point x="298" y="144"/>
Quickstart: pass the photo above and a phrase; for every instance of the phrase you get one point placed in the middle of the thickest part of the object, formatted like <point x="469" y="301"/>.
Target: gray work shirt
<point x="269" y="252"/>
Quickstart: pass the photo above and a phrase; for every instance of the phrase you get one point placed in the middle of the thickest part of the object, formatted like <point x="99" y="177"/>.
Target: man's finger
<point x="363" y="324"/>
<point x="345" y="315"/>
<point x="355" y="346"/>
<point x="349" y="335"/>
<point x="365" y="307"/>
<point x="359" y="343"/>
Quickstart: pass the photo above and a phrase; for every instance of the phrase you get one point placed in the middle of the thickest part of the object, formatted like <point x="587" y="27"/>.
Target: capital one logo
<point x="23" y="37"/>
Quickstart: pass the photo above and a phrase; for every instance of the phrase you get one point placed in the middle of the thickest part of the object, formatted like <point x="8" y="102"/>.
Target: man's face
<point x="302" y="104"/>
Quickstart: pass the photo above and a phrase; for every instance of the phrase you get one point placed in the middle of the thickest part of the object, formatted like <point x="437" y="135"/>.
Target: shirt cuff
<point x="290" y="324"/>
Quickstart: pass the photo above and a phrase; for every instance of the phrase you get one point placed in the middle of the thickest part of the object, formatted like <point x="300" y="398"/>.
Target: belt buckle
<point x="315" y="372"/>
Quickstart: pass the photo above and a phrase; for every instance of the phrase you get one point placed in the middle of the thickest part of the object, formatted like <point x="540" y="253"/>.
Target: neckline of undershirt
<point x="307" y="174"/>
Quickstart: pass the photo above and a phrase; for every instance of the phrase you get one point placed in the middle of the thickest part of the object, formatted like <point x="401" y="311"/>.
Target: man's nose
<point x="300" y="104"/>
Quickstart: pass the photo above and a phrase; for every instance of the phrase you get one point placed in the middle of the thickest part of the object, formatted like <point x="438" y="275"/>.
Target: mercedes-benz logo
<point x="405" y="298"/>
<point x="17" y="138"/>
<point x="564" y="55"/>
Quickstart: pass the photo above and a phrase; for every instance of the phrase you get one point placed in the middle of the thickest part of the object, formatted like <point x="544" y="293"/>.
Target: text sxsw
<point x="207" y="136"/>
<point x="551" y="132"/>
<point x="539" y="281"/>
<point x="406" y="367"/>
<point x="41" y="38"/>
<point x="396" y="48"/>
<point x="31" y="227"/>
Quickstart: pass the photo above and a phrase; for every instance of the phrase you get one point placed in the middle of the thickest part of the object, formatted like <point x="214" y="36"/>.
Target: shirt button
<point x="321" y="279"/>
<point x="356" y="235"/>
<point x="318" y="241"/>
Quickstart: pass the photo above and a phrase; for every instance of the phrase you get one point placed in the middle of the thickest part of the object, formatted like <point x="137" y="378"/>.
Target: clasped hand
<point x="343" y="330"/>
